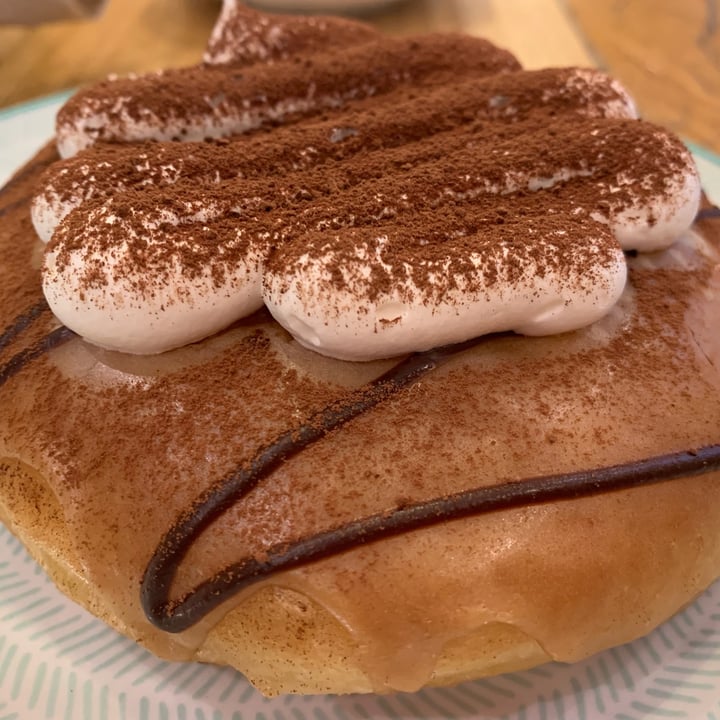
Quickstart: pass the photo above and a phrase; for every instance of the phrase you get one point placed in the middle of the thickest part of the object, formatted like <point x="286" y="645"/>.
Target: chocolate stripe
<point x="708" y="213"/>
<point x="161" y="570"/>
<point x="178" y="615"/>
<point x="22" y="322"/>
<point x="18" y="362"/>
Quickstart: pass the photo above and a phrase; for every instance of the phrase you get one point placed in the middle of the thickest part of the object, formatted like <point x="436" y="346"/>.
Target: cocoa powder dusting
<point x="462" y="249"/>
<point x="245" y="36"/>
<point x="296" y="88"/>
<point x="517" y="405"/>
<point x="423" y="143"/>
<point x="496" y="106"/>
<point x="436" y="179"/>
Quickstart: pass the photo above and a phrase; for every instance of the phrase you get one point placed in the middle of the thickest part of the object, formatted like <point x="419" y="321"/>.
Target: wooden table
<point x="667" y="52"/>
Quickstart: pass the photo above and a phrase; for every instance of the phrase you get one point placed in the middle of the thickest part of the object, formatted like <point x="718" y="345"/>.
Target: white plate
<point x="57" y="661"/>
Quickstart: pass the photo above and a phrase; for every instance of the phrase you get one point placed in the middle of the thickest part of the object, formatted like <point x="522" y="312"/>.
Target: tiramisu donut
<point x="362" y="364"/>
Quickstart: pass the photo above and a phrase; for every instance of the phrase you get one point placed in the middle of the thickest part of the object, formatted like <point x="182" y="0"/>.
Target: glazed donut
<point x="361" y="365"/>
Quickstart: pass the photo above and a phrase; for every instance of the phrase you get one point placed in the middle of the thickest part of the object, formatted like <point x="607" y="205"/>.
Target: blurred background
<point x="666" y="52"/>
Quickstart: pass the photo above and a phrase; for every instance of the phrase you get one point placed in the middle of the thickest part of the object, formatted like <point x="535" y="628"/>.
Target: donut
<point x="360" y="363"/>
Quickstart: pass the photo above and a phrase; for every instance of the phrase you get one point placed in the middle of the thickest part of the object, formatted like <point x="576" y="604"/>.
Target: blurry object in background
<point x="323" y="6"/>
<point x="128" y="36"/>
<point x="36" y="12"/>
<point x="667" y="53"/>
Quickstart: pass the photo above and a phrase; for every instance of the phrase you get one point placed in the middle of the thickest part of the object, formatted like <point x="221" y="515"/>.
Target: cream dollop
<point x="107" y="298"/>
<point x="657" y="218"/>
<point x="101" y="292"/>
<point x="151" y="279"/>
<point x="348" y="321"/>
<point x="70" y="183"/>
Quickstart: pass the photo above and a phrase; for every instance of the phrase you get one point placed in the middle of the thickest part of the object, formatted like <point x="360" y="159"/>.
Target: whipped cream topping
<point x="183" y="300"/>
<point x="221" y="119"/>
<point x="337" y="302"/>
<point x="242" y="36"/>
<point x="104" y="170"/>
<point x="216" y="101"/>
<point x="152" y="247"/>
<point x="665" y="206"/>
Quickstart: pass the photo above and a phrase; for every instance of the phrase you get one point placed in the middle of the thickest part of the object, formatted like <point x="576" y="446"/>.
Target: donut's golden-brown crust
<point x="100" y="452"/>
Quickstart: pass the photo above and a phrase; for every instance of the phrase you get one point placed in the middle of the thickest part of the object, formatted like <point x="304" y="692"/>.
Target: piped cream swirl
<point x="302" y="218"/>
<point x="353" y="303"/>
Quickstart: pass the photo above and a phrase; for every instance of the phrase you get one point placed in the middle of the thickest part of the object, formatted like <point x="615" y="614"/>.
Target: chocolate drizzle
<point x="157" y="580"/>
<point x="178" y="615"/>
<point x="22" y="322"/>
<point x="16" y="363"/>
<point x="708" y="213"/>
